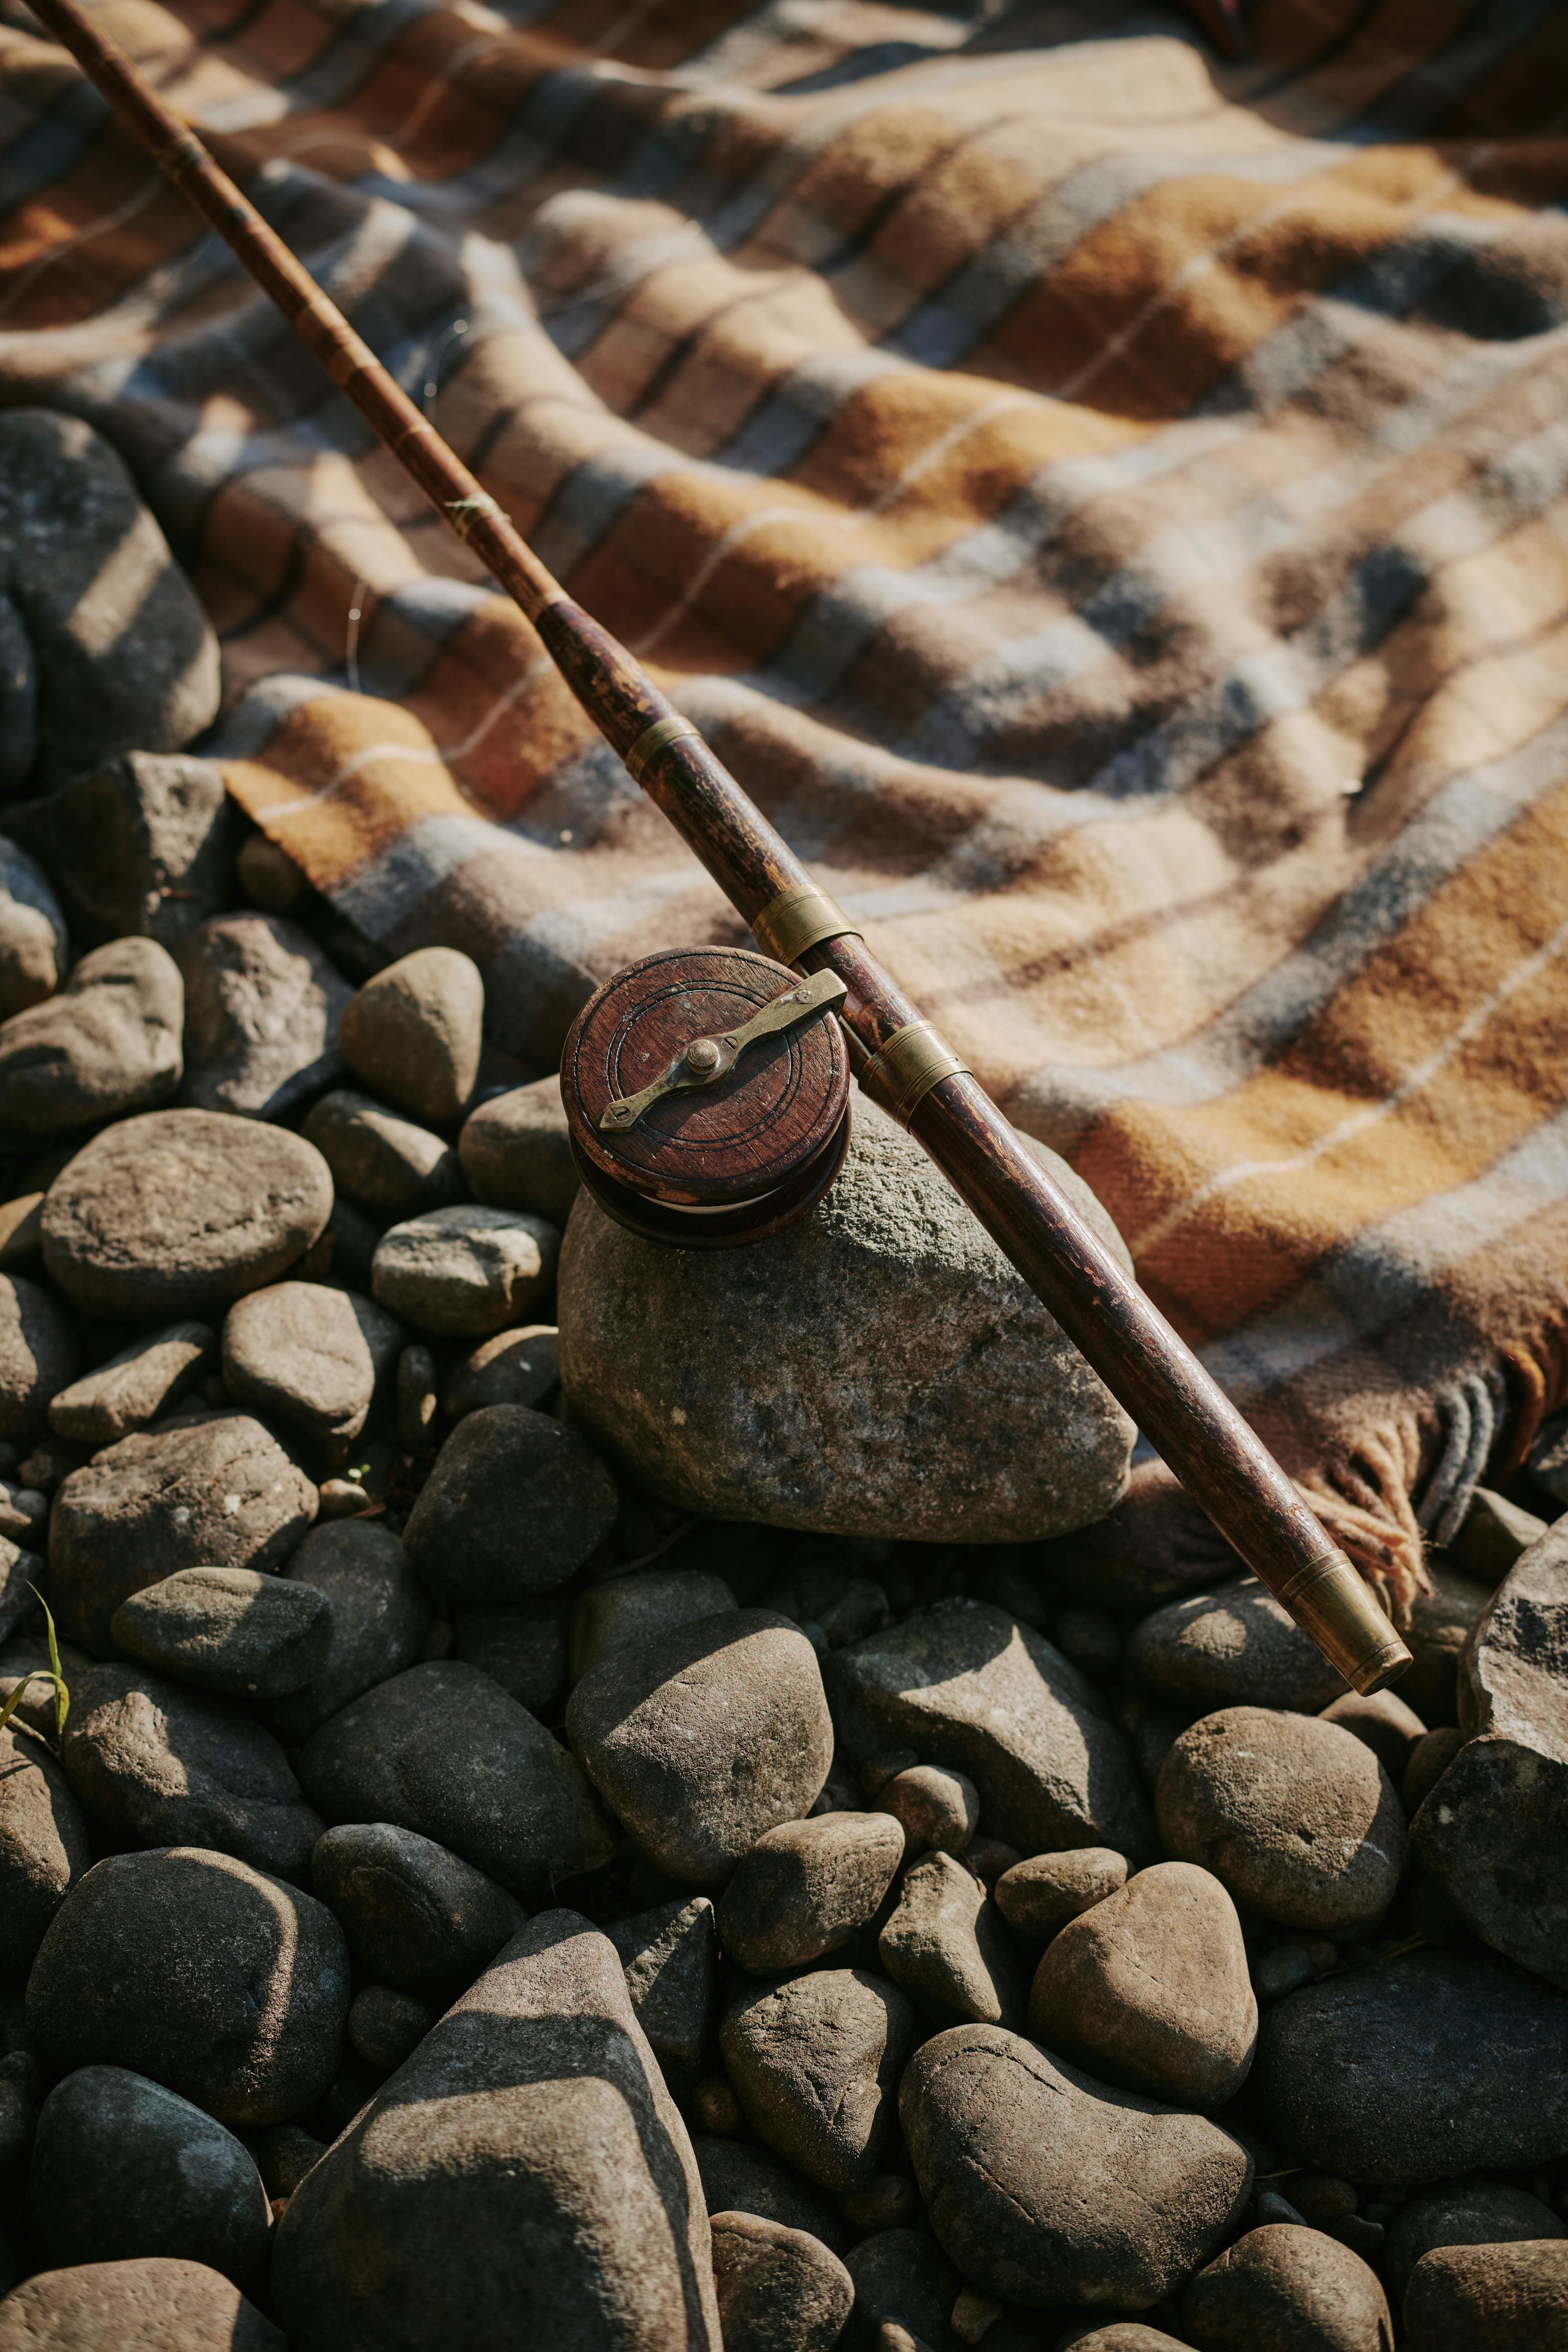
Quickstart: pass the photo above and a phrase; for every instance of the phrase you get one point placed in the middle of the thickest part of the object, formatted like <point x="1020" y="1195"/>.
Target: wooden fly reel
<point x="707" y="1093"/>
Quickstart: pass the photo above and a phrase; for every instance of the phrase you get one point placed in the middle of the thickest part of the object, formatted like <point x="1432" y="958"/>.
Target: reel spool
<point x="707" y="1094"/>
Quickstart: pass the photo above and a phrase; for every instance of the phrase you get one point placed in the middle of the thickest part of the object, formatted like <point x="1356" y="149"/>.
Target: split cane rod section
<point x="899" y="1057"/>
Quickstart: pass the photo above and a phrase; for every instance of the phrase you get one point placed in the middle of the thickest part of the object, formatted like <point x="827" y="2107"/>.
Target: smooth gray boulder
<point x="442" y="1749"/>
<point x="526" y="2159"/>
<point x="879" y="1368"/>
<point x="1489" y="2298"/>
<point x="514" y="1505"/>
<point x="964" y="1683"/>
<point x="123" y="2168"/>
<point x="780" y="2289"/>
<point x="1038" y="1895"/>
<point x="108" y="1044"/>
<point x="413" y="1032"/>
<point x="311" y="1356"/>
<point x="1492" y="1832"/>
<point x="517" y="1366"/>
<point x="1150" y="1989"/>
<point x="1295" y="1816"/>
<point x="178" y="1212"/>
<point x="156" y="2303"/>
<point x="1466" y="2212"/>
<point x="1283" y="2284"/>
<point x="387" y="1166"/>
<point x="464" y="1271"/>
<point x="43" y="1845"/>
<point x="379" y="1615"/>
<point x="702" y="1737"/>
<point x="35" y="948"/>
<point x="670" y="1957"/>
<point x="170" y="1765"/>
<point x="814" y="2063"/>
<point x="1051" y="2189"/>
<point x="219" y="1493"/>
<point x="516" y="1151"/>
<point x="223" y="1983"/>
<point x="1231" y="1647"/>
<point x="122" y="652"/>
<point x="806" y="1887"/>
<point x="413" y="1912"/>
<point x="625" y="1609"/>
<point x="138" y="846"/>
<point x="1435" y="2063"/>
<point x="228" y="1629"/>
<point x="134" y="1385"/>
<point x="946" y="1945"/>
<point x="262" y="1003"/>
<point x="37" y="1354"/>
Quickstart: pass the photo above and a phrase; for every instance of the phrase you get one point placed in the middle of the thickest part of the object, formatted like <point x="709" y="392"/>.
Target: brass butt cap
<point x="1338" y="1608"/>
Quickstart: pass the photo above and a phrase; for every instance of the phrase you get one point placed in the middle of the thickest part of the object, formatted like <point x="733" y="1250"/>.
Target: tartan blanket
<point x="1107" y="503"/>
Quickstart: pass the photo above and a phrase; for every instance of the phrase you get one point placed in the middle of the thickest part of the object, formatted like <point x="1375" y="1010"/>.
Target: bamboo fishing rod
<point x="900" y="1060"/>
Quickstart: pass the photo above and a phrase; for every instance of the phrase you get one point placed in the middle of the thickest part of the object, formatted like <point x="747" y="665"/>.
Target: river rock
<point x="1156" y="1543"/>
<point x="229" y="1629"/>
<point x="380" y="1616"/>
<point x="777" y="2287"/>
<point x="1490" y="1831"/>
<point x="1433" y="2064"/>
<point x="462" y="1271"/>
<point x="413" y="1914"/>
<point x="108" y="1044"/>
<point x="386" y="2026"/>
<point x="670" y="1959"/>
<point x="523" y="1649"/>
<point x="43" y="1846"/>
<point x="311" y="1356"/>
<point x="152" y="2305"/>
<point x="1474" y="2212"/>
<point x="37" y="1354"/>
<point x="806" y="1887"/>
<point x="814" y="2063"/>
<point x="1038" y="1896"/>
<point x="1390" y="1729"/>
<point x="936" y="1809"/>
<point x="384" y="1164"/>
<point x="262" y="1003"/>
<point x="738" y="2177"/>
<point x="35" y="948"/>
<point x="442" y="1749"/>
<point x="1150" y="1989"/>
<point x="140" y="845"/>
<point x="905" y="2288"/>
<point x="519" y="1367"/>
<point x="220" y="1493"/>
<point x="793" y="1382"/>
<point x="179" y="1212"/>
<point x="413" y="1032"/>
<point x="242" y="2009"/>
<point x="1050" y="2188"/>
<point x="1233" y="1647"/>
<point x="1286" y="2285"/>
<point x="964" y="1683"/>
<point x="702" y="1737"/>
<point x="1440" y="1625"/>
<point x="527" y="2158"/>
<point x="156" y="1760"/>
<point x="1489" y="2298"/>
<point x="513" y="1506"/>
<point x="133" y="1386"/>
<point x="625" y="1610"/>
<point x="517" y="1152"/>
<point x="946" y="1948"/>
<point x="123" y="2169"/>
<point x="1296" y="1817"/>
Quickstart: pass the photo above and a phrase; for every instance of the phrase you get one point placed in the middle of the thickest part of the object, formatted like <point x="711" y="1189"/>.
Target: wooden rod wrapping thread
<point x="1121" y="1333"/>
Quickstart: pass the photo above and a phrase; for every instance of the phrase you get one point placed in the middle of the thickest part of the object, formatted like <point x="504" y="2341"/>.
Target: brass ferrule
<point x="1339" y="1609"/>
<point x="799" y="918"/>
<point x="903" y="1073"/>
<point x="654" y="739"/>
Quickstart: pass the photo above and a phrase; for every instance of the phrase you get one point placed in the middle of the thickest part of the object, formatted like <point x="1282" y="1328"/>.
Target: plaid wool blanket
<point x="1105" y="502"/>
